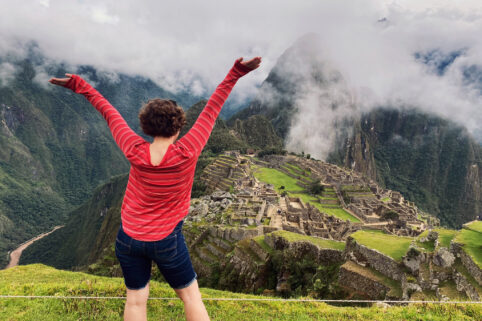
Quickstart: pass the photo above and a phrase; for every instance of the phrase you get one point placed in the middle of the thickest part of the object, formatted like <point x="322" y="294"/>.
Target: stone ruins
<point x="253" y="203"/>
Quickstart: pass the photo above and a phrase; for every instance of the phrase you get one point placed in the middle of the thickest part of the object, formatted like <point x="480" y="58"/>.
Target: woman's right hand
<point x="251" y="64"/>
<point x="61" y="81"/>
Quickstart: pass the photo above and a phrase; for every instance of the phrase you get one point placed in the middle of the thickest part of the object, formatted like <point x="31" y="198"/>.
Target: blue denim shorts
<point x="170" y="254"/>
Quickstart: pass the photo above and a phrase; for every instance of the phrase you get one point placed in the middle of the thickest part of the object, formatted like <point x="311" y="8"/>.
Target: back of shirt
<point x="158" y="196"/>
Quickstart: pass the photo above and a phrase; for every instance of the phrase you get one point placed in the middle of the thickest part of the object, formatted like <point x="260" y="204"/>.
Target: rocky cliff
<point x="431" y="161"/>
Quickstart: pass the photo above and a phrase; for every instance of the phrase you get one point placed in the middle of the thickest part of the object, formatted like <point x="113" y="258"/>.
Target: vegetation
<point x="393" y="246"/>
<point x="42" y="280"/>
<point x="289" y="185"/>
<point x="472" y="244"/>
<point x="475" y="226"/>
<point x="337" y="212"/>
<point x="323" y="243"/>
<point x="277" y="178"/>
<point x="390" y="215"/>
<point x="258" y="133"/>
<point x="272" y="151"/>
<point x="316" y="188"/>
<point x="393" y="285"/>
<point x="445" y="236"/>
<point x="424" y="157"/>
<point x="261" y="241"/>
<point x="89" y="228"/>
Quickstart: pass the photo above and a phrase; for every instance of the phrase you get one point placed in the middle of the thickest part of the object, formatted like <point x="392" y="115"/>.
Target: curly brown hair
<point x="161" y="117"/>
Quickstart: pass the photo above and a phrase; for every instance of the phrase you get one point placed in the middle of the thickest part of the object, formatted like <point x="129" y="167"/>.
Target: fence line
<point x="233" y="299"/>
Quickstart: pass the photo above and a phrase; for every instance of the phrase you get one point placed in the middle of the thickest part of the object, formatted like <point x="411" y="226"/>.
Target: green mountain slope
<point x="55" y="148"/>
<point x="86" y="233"/>
<point x="431" y="161"/>
<point x="41" y="280"/>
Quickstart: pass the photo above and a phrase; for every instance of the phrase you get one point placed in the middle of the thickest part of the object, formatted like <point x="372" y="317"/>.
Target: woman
<point x="158" y="192"/>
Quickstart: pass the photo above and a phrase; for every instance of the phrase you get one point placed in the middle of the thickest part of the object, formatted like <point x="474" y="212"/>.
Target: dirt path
<point x="15" y="254"/>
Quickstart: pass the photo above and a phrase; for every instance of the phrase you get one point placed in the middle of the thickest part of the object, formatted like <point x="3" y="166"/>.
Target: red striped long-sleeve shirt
<point x="158" y="197"/>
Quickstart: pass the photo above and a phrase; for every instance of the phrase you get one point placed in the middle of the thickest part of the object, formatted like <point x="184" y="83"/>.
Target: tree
<point x="390" y="215"/>
<point x="346" y="197"/>
<point x="316" y="188"/>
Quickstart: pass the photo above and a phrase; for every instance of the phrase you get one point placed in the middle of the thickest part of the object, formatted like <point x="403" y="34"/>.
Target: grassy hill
<point x="41" y="280"/>
<point x="471" y="238"/>
<point x="393" y="246"/>
<point x="282" y="182"/>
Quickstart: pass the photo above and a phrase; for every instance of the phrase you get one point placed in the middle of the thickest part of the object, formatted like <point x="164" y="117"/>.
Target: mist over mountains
<point x="432" y="160"/>
<point x="310" y="100"/>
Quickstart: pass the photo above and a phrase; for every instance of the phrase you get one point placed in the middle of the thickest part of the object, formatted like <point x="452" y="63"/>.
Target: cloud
<point x="192" y="44"/>
<point x="7" y="73"/>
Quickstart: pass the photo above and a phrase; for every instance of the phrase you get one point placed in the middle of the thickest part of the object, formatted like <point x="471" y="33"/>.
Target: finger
<point x="69" y="75"/>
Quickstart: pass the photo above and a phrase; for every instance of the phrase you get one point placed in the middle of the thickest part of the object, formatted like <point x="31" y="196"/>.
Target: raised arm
<point x="123" y="135"/>
<point x="197" y="137"/>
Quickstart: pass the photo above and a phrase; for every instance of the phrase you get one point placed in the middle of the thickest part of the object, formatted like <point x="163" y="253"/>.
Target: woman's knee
<point x="190" y="293"/>
<point x="138" y="297"/>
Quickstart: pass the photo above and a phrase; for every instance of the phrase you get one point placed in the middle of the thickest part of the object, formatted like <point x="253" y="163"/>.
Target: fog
<point x="389" y="52"/>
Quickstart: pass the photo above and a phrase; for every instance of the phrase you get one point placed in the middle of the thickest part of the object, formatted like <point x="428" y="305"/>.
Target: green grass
<point x="445" y="236"/>
<point x="472" y="244"/>
<point x="41" y="280"/>
<point x="290" y="169"/>
<point x="261" y="241"/>
<point x="334" y="210"/>
<point x="429" y="246"/>
<point x="306" y="173"/>
<point x="323" y="243"/>
<point x="355" y="188"/>
<point x="338" y="212"/>
<point x="277" y="178"/>
<point x="448" y="288"/>
<point x="356" y="194"/>
<point x="475" y="226"/>
<point x="374" y="231"/>
<point x="385" y="199"/>
<point x="393" y="246"/>
<point x="327" y="198"/>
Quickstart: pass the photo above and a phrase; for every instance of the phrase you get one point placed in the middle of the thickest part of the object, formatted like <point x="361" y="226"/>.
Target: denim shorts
<point x="170" y="254"/>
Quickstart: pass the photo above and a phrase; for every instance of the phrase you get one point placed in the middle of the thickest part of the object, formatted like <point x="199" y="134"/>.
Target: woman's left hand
<point x="61" y="81"/>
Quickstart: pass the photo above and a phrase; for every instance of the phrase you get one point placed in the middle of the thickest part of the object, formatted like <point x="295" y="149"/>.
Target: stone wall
<point x="258" y="250"/>
<point x="233" y="234"/>
<point x="467" y="261"/>
<point x="299" y="249"/>
<point x="464" y="286"/>
<point x="362" y="284"/>
<point x="378" y="261"/>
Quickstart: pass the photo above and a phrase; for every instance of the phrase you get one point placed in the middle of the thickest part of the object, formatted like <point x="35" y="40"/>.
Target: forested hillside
<point x="55" y="147"/>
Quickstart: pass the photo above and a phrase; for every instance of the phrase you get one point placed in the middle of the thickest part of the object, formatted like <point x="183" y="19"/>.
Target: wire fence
<point x="235" y="299"/>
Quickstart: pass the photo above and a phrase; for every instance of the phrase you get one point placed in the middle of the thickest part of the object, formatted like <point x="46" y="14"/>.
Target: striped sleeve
<point x="123" y="135"/>
<point x="197" y="137"/>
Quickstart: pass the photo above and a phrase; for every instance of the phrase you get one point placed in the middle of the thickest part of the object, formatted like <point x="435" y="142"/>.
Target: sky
<point x="192" y="44"/>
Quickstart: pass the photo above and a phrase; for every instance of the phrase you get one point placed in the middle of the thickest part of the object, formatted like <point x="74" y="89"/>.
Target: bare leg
<point x="136" y="304"/>
<point x="193" y="305"/>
